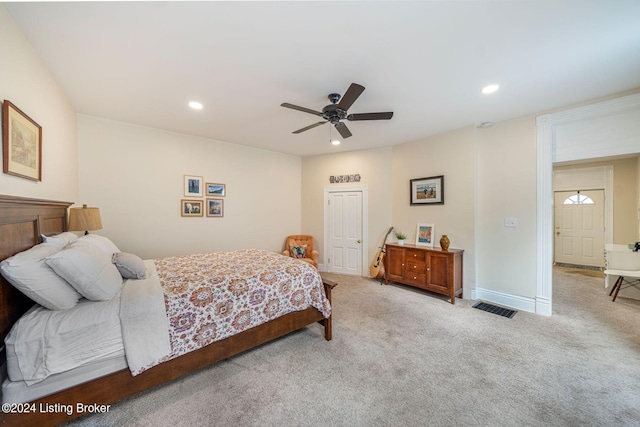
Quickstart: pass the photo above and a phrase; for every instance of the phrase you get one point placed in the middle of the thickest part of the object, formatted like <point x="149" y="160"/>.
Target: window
<point x="578" y="199"/>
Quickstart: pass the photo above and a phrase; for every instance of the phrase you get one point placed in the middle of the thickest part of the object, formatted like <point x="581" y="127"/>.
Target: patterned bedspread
<point x="209" y="297"/>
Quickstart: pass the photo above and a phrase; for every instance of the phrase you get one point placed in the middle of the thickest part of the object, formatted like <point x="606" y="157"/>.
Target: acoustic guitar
<point x="377" y="268"/>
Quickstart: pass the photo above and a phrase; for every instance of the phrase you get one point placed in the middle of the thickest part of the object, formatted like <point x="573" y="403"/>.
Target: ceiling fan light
<point x="335" y="142"/>
<point x="195" y="105"/>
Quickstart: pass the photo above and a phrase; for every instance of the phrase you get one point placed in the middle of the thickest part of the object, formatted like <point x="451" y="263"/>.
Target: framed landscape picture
<point x="192" y="186"/>
<point x="21" y="144"/>
<point x="215" y="207"/>
<point x="215" y="189"/>
<point x="425" y="234"/>
<point x="427" y="191"/>
<point x="191" y="207"/>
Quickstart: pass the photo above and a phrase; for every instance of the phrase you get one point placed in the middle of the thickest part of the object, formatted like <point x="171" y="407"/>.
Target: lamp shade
<point x="84" y="219"/>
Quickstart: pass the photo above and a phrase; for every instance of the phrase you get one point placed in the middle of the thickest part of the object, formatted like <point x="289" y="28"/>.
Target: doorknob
<point x="557" y="233"/>
<point x="358" y="240"/>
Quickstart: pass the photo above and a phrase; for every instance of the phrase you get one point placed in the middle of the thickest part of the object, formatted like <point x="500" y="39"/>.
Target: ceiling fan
<point x="337" y="111"/>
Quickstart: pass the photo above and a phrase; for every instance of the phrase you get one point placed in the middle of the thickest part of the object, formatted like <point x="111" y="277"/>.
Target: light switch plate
<point x="510" y="222"/>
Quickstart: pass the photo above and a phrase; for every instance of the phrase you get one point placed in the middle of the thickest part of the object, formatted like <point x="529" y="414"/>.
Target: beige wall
<point x="490" y="174"/>
<point x="374" y="167"/>
<point x="135" y="175"/>
<point x="27" y="83"/>
<point x="625" y="196"/>
<point x="453" y="155"/>
<point x="507" y="188"/>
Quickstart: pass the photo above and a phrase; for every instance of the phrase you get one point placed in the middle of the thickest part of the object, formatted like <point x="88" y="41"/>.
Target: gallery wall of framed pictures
<point x="202" y="198"/>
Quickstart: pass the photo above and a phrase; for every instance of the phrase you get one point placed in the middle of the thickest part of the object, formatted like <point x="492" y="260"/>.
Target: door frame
<point x="364" y="189"/>
<point x="618" y="117"/>
<point x="590" y="178"/>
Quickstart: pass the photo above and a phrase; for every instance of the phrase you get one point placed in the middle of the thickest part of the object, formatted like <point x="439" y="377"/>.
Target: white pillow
<point x="28" y="272"/>
<point x="130" y="266"/>
<point x="60" y="240"/>
<point x="88" y="270"/>
<point x="100" y="242"/>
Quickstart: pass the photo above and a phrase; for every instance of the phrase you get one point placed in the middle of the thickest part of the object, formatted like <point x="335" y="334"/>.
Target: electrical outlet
<point x="511" y="222"/>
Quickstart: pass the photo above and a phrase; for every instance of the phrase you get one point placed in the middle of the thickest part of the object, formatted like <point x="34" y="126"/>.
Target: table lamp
<point x="84" y="218"/>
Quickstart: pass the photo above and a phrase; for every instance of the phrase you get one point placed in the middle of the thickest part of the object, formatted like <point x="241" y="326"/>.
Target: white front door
<point x="579" y="227"/>
<point x="345" y="232"/>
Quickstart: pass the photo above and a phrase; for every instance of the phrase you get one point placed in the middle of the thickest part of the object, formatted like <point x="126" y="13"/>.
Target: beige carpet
<point x="406" y="357"/>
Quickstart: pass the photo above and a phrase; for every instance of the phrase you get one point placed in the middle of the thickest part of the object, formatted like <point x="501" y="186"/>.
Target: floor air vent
<point x="504" y="312"/>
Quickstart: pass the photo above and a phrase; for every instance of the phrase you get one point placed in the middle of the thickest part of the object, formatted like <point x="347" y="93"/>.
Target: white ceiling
<point x="425" y="61"/>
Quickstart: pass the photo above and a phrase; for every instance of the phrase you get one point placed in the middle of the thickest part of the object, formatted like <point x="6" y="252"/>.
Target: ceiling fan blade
<point x="370" y="116"/>
<point x="305" y="110"/>
<point x="350" y="96"/>
<point x="344" y="131"/>
<point x="309" y="127"/>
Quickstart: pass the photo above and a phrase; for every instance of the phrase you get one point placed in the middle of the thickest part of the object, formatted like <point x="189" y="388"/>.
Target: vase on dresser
<point x="445" y="242"/>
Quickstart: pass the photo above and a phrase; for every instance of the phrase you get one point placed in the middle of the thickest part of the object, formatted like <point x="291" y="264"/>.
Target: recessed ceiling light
<point x="485" y="125"/>
<point x="335" y="142"/>
<point x="195" y="105"/>
<point x="490" y="89"/>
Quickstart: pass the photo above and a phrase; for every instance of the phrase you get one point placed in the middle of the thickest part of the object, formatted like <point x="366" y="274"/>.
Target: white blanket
<point x="145" y="327"/>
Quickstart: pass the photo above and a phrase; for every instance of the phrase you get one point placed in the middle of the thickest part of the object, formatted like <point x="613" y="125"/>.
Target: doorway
<point x="345" y="228"/>
<point x="601" y="130"/>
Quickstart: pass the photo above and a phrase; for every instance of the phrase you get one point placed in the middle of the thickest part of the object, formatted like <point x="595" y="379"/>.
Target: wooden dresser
<point x="431" y="269"/>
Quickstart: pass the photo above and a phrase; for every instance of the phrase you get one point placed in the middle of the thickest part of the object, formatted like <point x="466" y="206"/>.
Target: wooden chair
<point x="301" y="246"/>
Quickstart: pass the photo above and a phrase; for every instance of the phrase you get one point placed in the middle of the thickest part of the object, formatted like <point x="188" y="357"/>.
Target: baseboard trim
<point x="543" y="306"/>
<point x="507" y="300"/>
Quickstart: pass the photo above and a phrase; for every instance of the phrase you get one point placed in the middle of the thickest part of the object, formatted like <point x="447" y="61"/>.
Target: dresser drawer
<point x="415" y="255"/>
<point x="413" y="267"/>
<point x="417" y="279"/>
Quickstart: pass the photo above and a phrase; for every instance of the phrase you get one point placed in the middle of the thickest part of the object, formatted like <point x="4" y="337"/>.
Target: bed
<point x="22" y="222"/>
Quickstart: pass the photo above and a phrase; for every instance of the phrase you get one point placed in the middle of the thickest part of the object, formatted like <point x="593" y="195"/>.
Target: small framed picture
<point x="427" y="191"/>
<point x="214" y="189"/>
<point x="21" y="144"/>
<point x="192" y="186"/>
<point x="425" y="234"/>
<point x="215" y="207"/>
<point x="191" y="207"/>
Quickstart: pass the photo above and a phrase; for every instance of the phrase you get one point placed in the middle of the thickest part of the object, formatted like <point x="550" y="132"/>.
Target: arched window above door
<point x="578" y="199"/>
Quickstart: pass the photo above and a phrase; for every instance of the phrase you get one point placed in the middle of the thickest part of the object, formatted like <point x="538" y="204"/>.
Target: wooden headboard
<point x="22" y="220"/>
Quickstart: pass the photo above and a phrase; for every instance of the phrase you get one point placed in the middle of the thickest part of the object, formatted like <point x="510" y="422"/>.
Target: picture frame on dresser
<point x="425" y="234"/>
<point x="427" y="191"/>
<point x="21" y="144"/>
